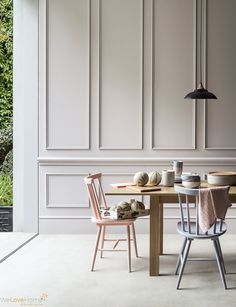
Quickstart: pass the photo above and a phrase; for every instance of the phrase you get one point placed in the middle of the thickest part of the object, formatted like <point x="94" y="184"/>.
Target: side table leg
<point x="154" y="251"/>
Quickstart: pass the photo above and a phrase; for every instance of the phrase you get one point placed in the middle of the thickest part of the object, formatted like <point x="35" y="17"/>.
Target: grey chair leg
<point x="221" y="255"/>
<point x="188" y="244"/>
<point x="220" y="266"/>
<point x="180" y="256"/>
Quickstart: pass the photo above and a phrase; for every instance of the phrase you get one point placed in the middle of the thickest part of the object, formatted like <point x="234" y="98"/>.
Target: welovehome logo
<point x="25" y="301"/>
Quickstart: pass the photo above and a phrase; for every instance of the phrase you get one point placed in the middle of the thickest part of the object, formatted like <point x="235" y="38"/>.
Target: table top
<point x="163" y="191"/>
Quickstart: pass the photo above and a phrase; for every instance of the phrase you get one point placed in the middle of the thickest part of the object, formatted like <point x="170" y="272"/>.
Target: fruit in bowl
<point x="191" y="181"/>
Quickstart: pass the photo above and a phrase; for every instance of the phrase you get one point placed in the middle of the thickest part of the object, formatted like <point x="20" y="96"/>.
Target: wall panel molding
<point x="62" y="205"/>
<point x="123" y="123"/>
<point x="228" y="109"/>
<point x="191" y="146"/>
<point x="200" y="161"/>
<point x="87" y="99"/>
<point x="190" y="161"/>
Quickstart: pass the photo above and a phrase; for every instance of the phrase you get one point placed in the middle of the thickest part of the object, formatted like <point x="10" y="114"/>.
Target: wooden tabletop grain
<point x="164" y="191"/>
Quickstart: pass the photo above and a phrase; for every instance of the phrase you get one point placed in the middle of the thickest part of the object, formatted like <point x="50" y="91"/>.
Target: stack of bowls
<point x="191" y="181"/>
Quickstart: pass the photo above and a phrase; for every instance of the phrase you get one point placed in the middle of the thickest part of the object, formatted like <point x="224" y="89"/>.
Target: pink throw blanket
<point x="213" y="204"/>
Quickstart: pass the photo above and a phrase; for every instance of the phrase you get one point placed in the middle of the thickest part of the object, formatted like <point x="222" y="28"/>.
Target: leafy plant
<point x="6" y="62"/>
<point x="6" y="191"/>
<point x="7" y="166"/>
<point x="6" y="136"/>
<point x="6" y="101"/>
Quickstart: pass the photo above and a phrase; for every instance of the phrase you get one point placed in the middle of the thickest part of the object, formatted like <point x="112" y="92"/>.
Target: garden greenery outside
<point x="6" y="102"/>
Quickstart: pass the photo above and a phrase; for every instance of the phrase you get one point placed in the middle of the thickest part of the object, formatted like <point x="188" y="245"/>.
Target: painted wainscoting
<point x="64" y="206"/>
<point x="112" y="77"/>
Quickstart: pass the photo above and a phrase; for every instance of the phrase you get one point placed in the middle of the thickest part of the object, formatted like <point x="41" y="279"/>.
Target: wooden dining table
<point x="165" y="195"/>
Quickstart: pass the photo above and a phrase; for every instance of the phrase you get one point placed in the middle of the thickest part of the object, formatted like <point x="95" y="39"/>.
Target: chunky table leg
<point x="161" y="227"/>
<point x="154" y="236"/>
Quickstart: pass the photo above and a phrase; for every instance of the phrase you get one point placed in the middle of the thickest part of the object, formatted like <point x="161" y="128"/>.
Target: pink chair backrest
<point x="96" y="194"/>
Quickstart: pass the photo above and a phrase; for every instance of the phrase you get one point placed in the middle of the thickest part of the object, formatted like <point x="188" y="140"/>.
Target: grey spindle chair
<point x="97" y="200"/>
<point x="189" y="228"/>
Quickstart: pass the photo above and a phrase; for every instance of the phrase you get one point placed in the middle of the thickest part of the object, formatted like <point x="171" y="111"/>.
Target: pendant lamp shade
<point x="201" y="92"/>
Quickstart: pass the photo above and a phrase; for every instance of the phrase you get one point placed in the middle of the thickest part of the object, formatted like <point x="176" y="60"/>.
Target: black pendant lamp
<point x="200" y="92"/>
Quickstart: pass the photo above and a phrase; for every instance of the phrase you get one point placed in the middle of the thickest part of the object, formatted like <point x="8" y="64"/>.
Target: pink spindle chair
<point x="97" y="199"/>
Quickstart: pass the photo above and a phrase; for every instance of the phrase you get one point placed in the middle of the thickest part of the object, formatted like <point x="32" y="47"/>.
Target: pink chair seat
<point x="113" y="222"/>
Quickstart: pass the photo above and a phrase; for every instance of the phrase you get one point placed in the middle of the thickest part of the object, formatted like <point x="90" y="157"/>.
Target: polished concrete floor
<point x="11" y="241"/>
<point x="53" y="270"/>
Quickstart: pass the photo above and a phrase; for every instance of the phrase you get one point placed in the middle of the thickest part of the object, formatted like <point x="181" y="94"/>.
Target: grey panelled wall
<point x="112" y="77"/>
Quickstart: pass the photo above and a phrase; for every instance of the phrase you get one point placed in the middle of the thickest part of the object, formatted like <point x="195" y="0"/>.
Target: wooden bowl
<point x="221" y="178"/>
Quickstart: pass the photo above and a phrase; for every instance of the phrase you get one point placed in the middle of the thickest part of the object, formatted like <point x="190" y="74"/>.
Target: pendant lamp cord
<point x="200" y="44"/>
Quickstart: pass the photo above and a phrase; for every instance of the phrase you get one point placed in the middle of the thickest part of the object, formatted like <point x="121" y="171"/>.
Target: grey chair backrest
<point x="190" y="218"/>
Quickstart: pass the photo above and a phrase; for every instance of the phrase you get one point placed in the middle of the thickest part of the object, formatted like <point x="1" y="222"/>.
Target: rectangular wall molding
<point x="171" y="118"/>
<point x="60" y="189"/>
<point x="67" y="127"/>
<point x="121" y="74"/>
<point x="219" y="74"/>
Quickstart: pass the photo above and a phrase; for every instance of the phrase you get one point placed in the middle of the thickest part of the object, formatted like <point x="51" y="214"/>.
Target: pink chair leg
<point x="102" y="239"/>
<point x="96" y="246"/>
<point x="135" y="242"/>
<point x="129" y="252"/>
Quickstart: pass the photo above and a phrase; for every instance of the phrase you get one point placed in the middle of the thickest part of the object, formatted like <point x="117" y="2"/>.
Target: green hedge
<point x="6" y="168"/>
<point x="6" y="141"/>
<point x="6" y="62"/>
<point x="6" y="191"/>
<point x="6" y="101"/>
